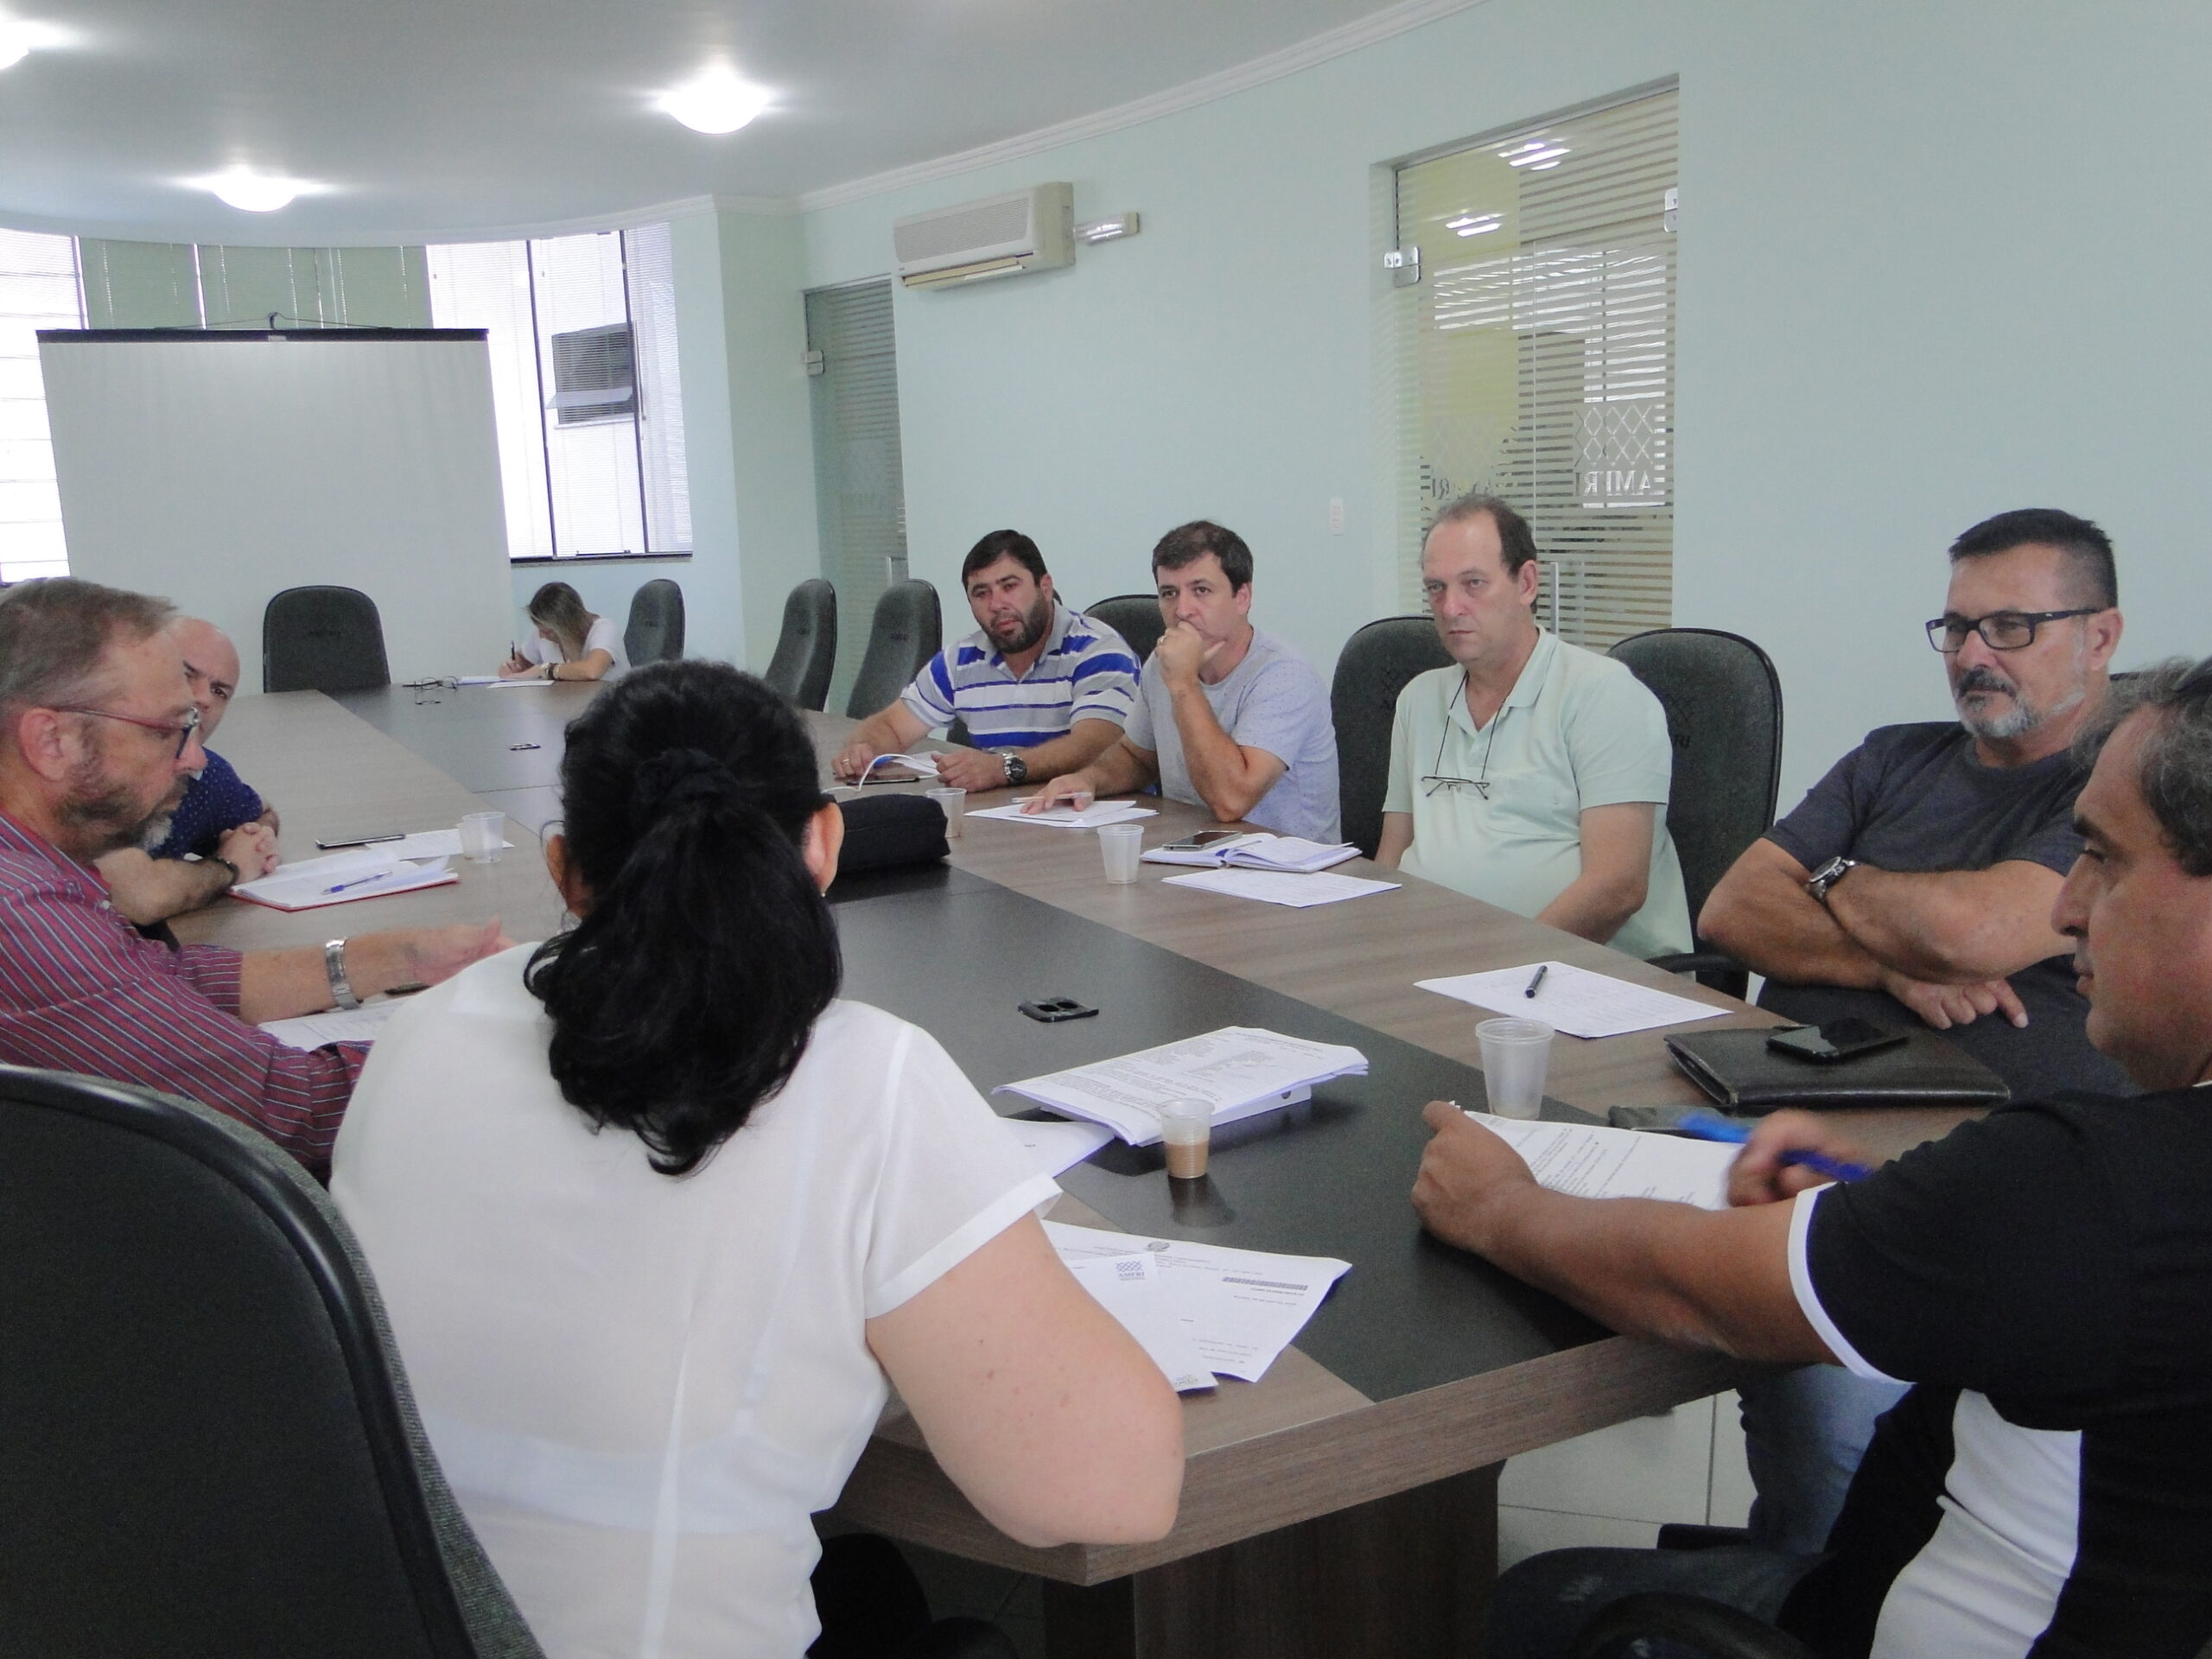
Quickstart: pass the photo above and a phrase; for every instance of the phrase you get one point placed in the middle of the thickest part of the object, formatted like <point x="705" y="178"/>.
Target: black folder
<point x="1742" y="1073"/>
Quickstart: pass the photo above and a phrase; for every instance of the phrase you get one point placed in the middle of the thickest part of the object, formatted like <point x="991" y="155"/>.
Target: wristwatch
<point x="1828" y="875"/>
<point x="235" y="877"/>
<point x="1017" y="769"/>
<point x="333" y="963"/>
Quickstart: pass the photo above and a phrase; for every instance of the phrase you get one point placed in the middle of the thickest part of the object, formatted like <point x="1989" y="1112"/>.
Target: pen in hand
<point x="1710" y="1126"/>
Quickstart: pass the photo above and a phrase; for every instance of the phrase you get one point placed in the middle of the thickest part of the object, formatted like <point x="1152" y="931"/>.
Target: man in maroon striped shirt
<point x="98" y="734"/>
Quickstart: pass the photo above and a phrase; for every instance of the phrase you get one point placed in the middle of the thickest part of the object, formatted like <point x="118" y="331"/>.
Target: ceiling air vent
<point x="594" y="378"/>
<point x="1000" y="236"/>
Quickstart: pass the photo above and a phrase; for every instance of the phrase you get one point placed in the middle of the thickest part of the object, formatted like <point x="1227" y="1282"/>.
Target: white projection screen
<point x="217" y="469"/>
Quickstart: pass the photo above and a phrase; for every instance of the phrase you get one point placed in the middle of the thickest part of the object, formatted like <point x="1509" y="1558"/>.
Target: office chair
<point x="1135" y="617"/>
<point x="208" y="1447"/>
<point x="1723" y="702"/>
<point x="1708" y="1627"/>
<point x="322" y="639"/>
<point x="905" y="636"/>
<point x="806" y="650"/>
<point x="655" y="633"/>
<point x="1371" y="670"/>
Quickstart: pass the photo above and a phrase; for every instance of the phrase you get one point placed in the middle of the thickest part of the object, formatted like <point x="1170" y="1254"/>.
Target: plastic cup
<point x="483" y="836"/>
<point x="1515" y="1055"/>
<point x="955" y="803"/>
<point x="1120" y="845"/>
<point x="1186" y="1132"/>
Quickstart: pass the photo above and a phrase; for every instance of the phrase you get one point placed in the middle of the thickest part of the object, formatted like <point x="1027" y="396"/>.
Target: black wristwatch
<point x="1017" y="769"/>
<point x="226" y="864"/>
<point x="1828" y="875"/>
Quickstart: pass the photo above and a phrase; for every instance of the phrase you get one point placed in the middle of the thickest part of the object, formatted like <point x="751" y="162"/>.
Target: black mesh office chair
<point x="1724" y="712"/>
<point x="1135" y="617"/>
<point x="1371" y="670"/>
<point x="322" y="639"/>
<point x="656" y="631"/>
<point x="905" y="635"/>
<point x="806" y="650"/>
<point x="207" y="1443"/>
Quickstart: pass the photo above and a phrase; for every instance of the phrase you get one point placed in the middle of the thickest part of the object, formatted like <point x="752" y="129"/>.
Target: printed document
<point x="427" y="844"/>
<point x="361" y="1025"/>
<point x="1131" y="1288"/>
<point x="1277" y="887"/>
<point x="1066" y="817"/>
<point x="1238" y="1071"/>
<point x="1590" y="1161"/>
<point x="1242" y="1308"/>
<point x="371" y="873"/>
<point x="1053" y="1146"/>
<point x="1572" y="999"/>
<point x="1258" y="852"/>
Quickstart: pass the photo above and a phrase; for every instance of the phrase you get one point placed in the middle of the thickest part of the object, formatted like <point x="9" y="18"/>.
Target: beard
<point x="102" y="816"/>
<point x="1034" y="626"/>
<point x="2016" y="716"/>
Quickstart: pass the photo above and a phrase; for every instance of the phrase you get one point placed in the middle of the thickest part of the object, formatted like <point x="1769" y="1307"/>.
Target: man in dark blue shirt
<point x="221" y="833"/>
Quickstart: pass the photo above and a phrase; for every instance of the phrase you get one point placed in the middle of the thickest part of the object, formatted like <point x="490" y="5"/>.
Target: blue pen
<point x="358" y="881"/>
<point x="1710" y="1126"/>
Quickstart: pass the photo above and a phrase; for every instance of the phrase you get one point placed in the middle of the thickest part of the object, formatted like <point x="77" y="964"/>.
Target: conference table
<point x="1344" y="1504"/>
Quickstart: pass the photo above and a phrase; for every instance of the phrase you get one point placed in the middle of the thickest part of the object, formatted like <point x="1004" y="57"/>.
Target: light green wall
<point x="162" y="285"/>
<point x="1932" y="267"/>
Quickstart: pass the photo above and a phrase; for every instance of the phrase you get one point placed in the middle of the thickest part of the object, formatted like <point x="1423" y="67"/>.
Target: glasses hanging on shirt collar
<point x="1436" y="778"/>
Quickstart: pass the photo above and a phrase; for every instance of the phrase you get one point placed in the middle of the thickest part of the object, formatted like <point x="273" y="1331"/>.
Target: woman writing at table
<point x="570" y="642"/>
<point x="656" y="1218"/>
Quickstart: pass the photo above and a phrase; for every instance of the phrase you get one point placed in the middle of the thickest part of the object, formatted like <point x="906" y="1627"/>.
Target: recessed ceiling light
<point x="251" y="192"/>
<point x="715" y="102"/>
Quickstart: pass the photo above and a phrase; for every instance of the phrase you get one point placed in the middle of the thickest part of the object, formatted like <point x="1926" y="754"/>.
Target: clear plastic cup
<point x="1515" y="1055"/>
<point x="1120" y="844"/>
<point x="1186" y="1132"/>
<point x="955" y="803"/>
<point x="483" y="836"/>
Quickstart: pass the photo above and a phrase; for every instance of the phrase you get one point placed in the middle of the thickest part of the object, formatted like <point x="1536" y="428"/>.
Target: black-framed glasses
<point x="2000" y="630"/>
<point x="182" y="729"/>
<point x="1436" y="780"/>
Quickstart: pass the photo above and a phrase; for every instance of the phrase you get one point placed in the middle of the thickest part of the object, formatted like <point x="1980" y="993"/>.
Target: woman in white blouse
<point x="659" y="1219"/>
<point x="570" y="642"/>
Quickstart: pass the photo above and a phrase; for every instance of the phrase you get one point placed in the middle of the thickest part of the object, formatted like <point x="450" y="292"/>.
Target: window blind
<point x="649" y="269"/>
<point x="1536" y="354"/>
<point x="38" y="289"/>
<point x="591" y="459"/>
<point x="486" y="285"/>
<point x="859" y="494"/>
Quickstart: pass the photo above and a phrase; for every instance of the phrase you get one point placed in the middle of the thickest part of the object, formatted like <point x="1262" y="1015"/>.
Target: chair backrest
<point x="656" y="630"/>
<point x="905" y="636"/>
<point x="1135" y="617"/>
<point x="806" y="650"/>
<point x="1724" y="713"/>
<point x="206" y="1445"/>
<point x="1371" y="670"/>
<point x="322" y="639"/>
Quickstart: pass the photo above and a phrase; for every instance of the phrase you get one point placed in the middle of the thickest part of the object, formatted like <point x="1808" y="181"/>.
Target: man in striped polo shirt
<point x="1041" y="688"/>
<point x="2041" y="1277"/>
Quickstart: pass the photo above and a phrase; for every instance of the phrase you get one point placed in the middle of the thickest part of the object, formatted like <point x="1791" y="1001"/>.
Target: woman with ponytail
<point x="659" y="1219"/>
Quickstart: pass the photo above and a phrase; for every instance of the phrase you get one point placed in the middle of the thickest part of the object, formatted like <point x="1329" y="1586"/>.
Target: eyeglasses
<point x="1436" y="780"/>
<point x="182" y="729"/>
<point x="2000" y="630"/>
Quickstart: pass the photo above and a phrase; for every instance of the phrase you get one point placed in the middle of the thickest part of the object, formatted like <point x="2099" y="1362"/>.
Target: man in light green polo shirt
<point x="1532" y="775"/>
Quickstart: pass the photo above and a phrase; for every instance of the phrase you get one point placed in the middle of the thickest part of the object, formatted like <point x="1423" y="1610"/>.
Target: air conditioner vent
<point x="594" y="376"/>
<point x="1000" y="236"/>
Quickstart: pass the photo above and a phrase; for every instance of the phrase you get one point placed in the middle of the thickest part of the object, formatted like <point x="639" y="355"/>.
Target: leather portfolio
<point x="1742" y="1073"/>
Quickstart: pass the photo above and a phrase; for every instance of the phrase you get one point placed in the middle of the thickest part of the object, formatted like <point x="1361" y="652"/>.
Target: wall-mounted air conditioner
<point x="1002" y="236"/>
<point x="594" y="376"/>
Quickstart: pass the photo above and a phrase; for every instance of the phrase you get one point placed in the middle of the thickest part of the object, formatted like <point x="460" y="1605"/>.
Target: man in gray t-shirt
<point x="1227" y="717"/>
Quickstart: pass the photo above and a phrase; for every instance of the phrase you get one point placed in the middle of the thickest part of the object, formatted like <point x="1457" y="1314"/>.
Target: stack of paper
<point x="1066" y="817"/>
<point x="1590" y="1161"/>
<point x="1239" y="1070"/>
<point x="342" y="877"/>
<point x="361" y="1025"/>
<point x="1201" y="1308"/>
<point x="922" y="766"/>
<point x="1280" y="887"/>
<point x="1572" y="999"/>
<point x="1261" y="851"/>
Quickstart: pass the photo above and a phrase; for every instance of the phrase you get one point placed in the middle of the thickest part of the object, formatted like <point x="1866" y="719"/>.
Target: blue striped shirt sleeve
<point x="930" y="697"/>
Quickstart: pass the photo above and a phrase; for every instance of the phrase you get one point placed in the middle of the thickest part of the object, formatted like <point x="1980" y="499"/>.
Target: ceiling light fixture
<point x="250" y="192"/>
<point x="1475" y="224"/>
<point x="715" y="102"/>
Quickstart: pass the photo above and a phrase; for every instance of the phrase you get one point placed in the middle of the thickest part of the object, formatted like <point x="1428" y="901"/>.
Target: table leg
<point x="1403" y="1578"/>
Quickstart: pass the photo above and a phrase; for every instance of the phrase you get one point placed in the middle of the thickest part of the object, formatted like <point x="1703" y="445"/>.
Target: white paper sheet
<point x="428" y="843"/>
<point x="1590" y="1161"/>
<point x="361" y="1025"/>
<point x="1064" y="817"/>
<point x="1241" y="1307"/>
<point x="1058" y="1145"/>
<point x="1238" y="1071"/>
<point x="1132" y="1289"/>
<point x="520" y="682"/>
<point x="366" y="873"/>
<point x="1277" y="887"/>
<point x="478" y="679"/>
<point x="1572" y="999"/>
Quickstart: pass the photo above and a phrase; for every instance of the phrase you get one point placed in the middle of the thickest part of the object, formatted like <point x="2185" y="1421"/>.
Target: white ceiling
<point x="449" y="119"/>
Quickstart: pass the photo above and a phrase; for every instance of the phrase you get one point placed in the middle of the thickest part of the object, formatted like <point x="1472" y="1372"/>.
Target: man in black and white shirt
<point x="2042" y="1277"/>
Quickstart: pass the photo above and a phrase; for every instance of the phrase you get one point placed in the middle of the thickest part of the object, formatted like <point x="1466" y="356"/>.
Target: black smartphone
<point x="1202" y="840"/>
<point x="336" y="842"/>
<point x="1838" y="1039"/>
<point x="1051" y="1010"/>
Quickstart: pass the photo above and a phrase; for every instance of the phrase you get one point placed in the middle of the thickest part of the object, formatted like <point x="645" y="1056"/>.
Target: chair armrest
<point x="1710" y="1626"/>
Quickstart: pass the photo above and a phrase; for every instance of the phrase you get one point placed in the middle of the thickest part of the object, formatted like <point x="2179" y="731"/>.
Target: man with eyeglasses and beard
<point x="1915" y="884"/>
<point x="98" y="734"/>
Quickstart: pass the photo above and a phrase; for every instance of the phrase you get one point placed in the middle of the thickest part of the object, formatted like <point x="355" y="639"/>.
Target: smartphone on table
<point x="1838" y="1039"/>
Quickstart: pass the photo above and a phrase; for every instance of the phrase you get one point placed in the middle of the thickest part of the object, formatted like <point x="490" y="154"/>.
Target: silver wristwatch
<point x="333" y="963"/>
<point x="1828" y="875"/>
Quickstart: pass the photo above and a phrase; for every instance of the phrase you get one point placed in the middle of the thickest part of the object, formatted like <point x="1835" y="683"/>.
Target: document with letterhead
<point x="1237" y="1070"/>
<point x="1588" y="1160"/>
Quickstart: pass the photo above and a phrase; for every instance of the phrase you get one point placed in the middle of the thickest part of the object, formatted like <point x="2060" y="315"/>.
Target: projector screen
<point x="217" y="468"/>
